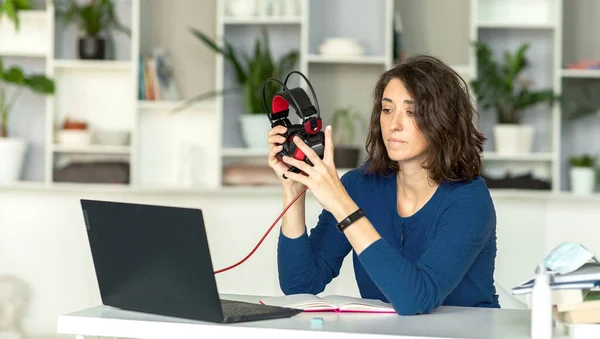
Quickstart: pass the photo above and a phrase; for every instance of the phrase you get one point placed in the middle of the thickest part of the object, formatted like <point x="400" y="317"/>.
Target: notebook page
<point x="301" y="301"/>
<point x="358" y="304"/>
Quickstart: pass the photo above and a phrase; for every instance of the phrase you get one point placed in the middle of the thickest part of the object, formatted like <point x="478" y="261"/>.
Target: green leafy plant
<point x="344" y="122"/>
<point x="93" y="18"/>
<point x="500" y="87"/>
<point x="15" y="76"/>
<point x="580" y="98"/>
<point x="251" y="70"/>
<point x="11" y="9"/>
<point x="584" y="160"/>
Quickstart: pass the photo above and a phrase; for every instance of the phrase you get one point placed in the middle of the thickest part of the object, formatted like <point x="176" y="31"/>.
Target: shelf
<point x="93" y="65"/>
<point x="343" y="59"/>
<point x="167" y="106"/>
<point x="581" y="73"/>
<point x="245" y="152"/>
<point x="92" y="149"/>
<point x="261" y="191"/>
<point x="23" y="54"/>
<point x="515" y="25"/>
<point x="275" y="20"/>
<point x="538" y="157"/>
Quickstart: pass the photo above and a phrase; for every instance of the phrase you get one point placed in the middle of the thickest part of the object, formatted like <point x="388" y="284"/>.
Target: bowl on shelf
<point x="74" y="137"/>
<point x="111" y="137"/>
<point x="341" y="47"/>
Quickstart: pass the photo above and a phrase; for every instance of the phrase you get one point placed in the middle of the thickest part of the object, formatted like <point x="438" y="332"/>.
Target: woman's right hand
<point x="275" y="139"/>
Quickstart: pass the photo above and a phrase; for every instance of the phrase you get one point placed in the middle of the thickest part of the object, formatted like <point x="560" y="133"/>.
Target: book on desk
<point x="575" y="298"/>
<point x="330" y="303"/>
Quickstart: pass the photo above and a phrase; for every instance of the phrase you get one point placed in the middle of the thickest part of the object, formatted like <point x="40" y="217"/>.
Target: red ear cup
<point x="279" y="104"/>
<point x="313" y="126"/>
<point x="298" y="154"/>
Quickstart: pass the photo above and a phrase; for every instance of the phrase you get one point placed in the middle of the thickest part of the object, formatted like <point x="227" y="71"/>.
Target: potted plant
<point x="582" y="174"/>
<point x="343" y="123"/>
<point x="500" y="87"/>
<point x="250" y="72"/>
<point x="12" y="149"/>
<point x="96" y="20"/>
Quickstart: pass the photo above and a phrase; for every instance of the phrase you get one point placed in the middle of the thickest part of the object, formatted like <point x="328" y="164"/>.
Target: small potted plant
<point x="346" y="154"/>
<point x="251" y="71"/>
<point x="582" y="173"/>
<point x="12" y="149"/>
<point x="500" y="87"/>
<point x="96" y="20"/>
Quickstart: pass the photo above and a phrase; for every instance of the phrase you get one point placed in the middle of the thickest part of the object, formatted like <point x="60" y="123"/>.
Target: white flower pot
<point x="583" y="180"/>
<point x="241" y="8"/>
<point x="513" y="138"/>
<point x="255" y="128"/>
<point x="12" y="154"/>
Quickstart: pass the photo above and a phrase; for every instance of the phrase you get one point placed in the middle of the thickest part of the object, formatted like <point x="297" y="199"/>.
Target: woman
<point x="427" y="234"/>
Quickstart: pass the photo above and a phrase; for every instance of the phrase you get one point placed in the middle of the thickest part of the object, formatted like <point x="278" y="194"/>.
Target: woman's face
<point x="403" y="140"/>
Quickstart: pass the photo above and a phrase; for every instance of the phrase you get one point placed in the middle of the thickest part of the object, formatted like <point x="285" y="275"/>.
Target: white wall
<point x="42" y="240"/>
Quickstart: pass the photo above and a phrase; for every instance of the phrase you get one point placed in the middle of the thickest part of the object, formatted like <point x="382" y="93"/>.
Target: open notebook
<point x="332" y="303"/>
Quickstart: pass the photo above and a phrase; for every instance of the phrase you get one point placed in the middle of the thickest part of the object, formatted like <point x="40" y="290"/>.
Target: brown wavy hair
<point x="444" y="112"/>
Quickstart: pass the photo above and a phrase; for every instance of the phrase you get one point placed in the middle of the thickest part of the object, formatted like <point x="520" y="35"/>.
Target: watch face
<point x="350" y="219"/>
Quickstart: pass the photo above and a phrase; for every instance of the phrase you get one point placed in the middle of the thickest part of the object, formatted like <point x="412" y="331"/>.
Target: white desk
<point x="443" y="323"/>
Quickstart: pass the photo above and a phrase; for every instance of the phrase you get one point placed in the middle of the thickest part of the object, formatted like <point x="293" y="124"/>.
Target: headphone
<point x="309" y="130"/>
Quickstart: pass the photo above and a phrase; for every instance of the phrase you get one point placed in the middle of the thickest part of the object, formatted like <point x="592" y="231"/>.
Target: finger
<point x="276" y="139"/>
<point x="281" y="168"/>
<point x="299" y="177"/>
<point x="309" y="152"/>
<point x="328" y="152"/>
<point x="301" y="165"/>
<point x="277" y="130"/>
<point x="273" y="153"/>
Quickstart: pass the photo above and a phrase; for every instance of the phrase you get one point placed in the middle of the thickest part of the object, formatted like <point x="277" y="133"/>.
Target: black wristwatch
<point x="350" y="219"/>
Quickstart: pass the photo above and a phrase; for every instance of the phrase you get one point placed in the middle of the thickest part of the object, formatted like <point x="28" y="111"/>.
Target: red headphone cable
<point x="265" y="235"/>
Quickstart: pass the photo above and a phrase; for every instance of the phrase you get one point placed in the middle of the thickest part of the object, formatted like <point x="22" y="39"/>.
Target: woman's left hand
<point x="322" y="178"/>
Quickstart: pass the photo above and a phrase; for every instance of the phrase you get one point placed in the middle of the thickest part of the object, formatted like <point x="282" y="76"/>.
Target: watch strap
<point x="349" y="220"/>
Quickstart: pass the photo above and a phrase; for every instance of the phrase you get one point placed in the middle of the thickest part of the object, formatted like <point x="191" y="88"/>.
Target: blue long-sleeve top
<point x="443" y="254"/>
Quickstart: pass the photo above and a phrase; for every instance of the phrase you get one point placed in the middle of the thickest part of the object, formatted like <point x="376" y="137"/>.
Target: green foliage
<point x="584" y="160"/>
<point x="343" y="124"/>
<point x="580" y="98"/>
<point x="93" y="17"/>
<point x="11" y="9"/>
<point x="251" y="71"/>
<point x="499" y="87"/>
<point x="15" y="76"/>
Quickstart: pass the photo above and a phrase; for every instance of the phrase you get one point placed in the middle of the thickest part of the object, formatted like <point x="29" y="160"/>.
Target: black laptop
<point x="156" y="259"/>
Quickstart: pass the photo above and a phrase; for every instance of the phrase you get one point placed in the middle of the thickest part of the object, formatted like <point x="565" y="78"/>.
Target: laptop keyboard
<point x="233" y="308"/>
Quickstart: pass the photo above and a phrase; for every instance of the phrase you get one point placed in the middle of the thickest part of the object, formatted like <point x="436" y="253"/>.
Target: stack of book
<point x="156" y="77"/>
<point x="575" y="299"/>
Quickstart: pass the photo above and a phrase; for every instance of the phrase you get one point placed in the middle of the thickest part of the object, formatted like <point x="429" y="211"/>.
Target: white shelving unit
<point x="104" y="93"/>
<point x="560" y="34"/>
<point x="338" y="80"/>
<point x="505" y="25"/>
